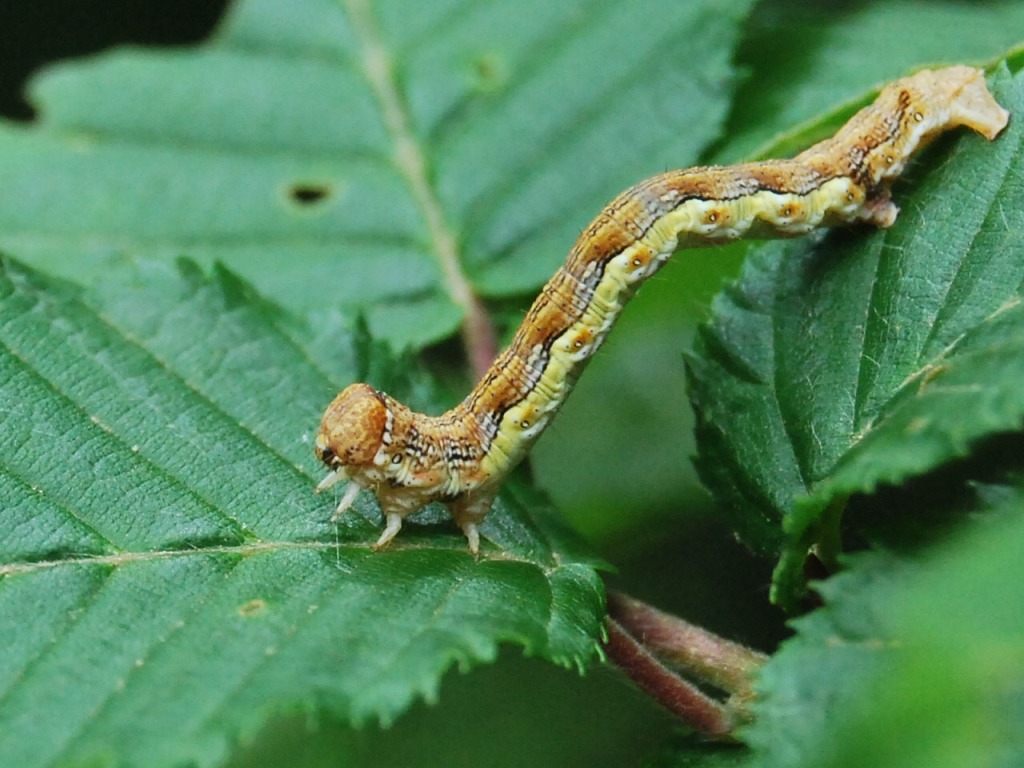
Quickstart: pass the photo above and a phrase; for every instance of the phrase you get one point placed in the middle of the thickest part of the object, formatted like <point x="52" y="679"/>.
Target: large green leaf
<point x="363" y="154"/>
<point x="860" y="358"/>
<point x="168" y="576"/>
<point x="914" y="660"/>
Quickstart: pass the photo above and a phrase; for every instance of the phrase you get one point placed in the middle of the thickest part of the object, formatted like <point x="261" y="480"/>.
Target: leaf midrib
<point x="261" y="546"/>
<point x="409" y="156"/>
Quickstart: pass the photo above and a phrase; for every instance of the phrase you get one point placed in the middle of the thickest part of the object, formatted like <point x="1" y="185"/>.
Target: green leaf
<point x="859" y="358"/>
<point x="913" y="661"/>
<point x="366" y="155"/>
<point x="169" y="580"/>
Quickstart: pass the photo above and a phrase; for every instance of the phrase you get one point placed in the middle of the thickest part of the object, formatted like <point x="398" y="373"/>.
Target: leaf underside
<point x="275" y="150"/>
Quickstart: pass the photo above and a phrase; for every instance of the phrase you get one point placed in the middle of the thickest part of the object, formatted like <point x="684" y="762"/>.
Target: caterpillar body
<point x="460" y="458"/>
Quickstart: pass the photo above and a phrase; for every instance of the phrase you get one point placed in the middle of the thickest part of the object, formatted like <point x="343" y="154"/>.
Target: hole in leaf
<point x="309" y="193"/>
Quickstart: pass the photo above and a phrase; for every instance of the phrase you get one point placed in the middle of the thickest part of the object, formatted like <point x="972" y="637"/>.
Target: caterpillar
<point x="460" y="458"/>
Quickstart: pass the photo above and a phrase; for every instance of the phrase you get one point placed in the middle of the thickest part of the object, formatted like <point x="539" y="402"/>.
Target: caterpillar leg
<point x="881" y="211"/>
<point x="469" y="511"/>
<point x="472" y="536"/>
<point x="351" y="492"/>
<point x="333" y="477"/>
<point x="391" y="530"/>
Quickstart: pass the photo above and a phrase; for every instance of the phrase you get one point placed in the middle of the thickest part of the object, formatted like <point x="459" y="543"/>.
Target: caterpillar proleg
<point x="460" y="458"/>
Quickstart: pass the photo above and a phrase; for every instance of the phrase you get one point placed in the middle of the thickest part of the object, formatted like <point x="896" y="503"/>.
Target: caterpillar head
<point x="353" y="428"/>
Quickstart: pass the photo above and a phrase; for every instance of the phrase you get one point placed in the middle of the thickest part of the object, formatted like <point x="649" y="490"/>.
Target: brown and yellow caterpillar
<point x="460" y="458"/>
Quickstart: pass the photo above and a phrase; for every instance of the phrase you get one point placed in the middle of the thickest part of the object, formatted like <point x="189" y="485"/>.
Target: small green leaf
<point x="168" y="577"/>
<point x="858" y="358"/>
<point x="913" y="661"/>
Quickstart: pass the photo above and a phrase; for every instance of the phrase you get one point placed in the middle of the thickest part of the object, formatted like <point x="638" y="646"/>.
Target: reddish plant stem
<point x="705" y="656"/>
<point x="684" y="700"/>
<point x="478" y="337"/>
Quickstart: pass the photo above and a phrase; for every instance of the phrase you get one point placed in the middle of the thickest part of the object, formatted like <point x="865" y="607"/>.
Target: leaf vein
<point x="409" y="157"/>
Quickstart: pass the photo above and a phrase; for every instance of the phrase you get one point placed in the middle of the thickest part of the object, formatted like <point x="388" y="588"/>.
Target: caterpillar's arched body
<point x="460" y="458"/>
